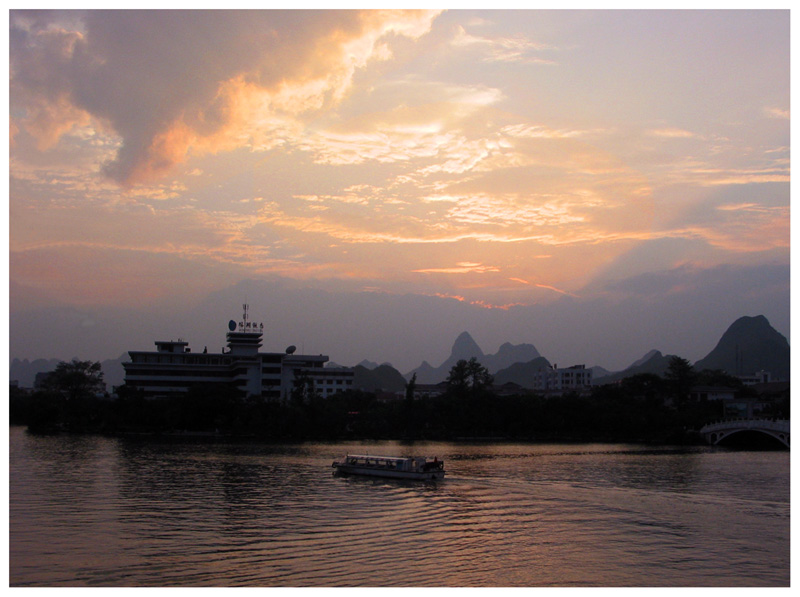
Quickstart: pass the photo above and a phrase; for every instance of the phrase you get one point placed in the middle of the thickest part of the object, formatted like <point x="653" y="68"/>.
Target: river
<point x="127" y="512"/>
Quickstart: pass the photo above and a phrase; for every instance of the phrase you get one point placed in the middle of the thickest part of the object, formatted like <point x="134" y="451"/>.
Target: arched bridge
<point x="714" y="433"/>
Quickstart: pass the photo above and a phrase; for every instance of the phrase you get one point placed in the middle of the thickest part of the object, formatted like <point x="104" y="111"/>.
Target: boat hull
<point x="346" y="469"/>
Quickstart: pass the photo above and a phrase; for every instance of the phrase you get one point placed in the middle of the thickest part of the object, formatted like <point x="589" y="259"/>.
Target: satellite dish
<point x="232" y="325"/>
<point x="291" y="349"/>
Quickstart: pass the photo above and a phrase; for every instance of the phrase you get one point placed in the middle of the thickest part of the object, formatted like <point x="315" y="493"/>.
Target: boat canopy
<point x="376" y="458"/>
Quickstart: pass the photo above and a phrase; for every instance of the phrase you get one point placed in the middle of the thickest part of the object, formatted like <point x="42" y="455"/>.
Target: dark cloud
<point x="720" y="281"/>
<point x="143" y="71"/>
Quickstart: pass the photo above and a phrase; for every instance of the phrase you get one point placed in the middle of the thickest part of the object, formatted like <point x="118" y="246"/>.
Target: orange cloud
<point x="478" y="303"/>
<point x="672" y="133"/>
<point x="778" y="113"/>
<point x="460" y="268"/>
<point x="554" y="289"/>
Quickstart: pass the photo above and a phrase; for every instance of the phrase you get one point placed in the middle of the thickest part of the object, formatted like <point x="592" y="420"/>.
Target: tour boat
<point x="391" y="466"/>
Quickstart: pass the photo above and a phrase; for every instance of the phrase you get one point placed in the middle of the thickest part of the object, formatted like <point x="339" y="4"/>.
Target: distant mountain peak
<point x="749" y="345"/>
<point x="368" y="364"/>
<point x="647" y="357"/>
<point x="465" y="348"/>
<point x="511" y="349"/>
<point x="749" y="324"/>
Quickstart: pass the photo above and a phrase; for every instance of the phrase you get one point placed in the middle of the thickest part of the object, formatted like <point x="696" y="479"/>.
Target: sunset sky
<point x="596" y="183"/>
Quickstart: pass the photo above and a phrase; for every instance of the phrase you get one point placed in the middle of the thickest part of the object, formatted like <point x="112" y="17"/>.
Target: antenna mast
<point x="244" y="323"/>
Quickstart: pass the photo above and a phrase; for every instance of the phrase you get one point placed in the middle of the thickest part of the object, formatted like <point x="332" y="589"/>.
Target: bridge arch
<point x="764" y="433"/>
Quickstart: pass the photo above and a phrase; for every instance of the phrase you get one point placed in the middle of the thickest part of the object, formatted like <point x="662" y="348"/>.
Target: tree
<point x="410" y="420"/>
<point x="74" y="380"/>
<point x="717" y="377"/>
<point x="303" y="390"/>
<point x="68" y="398"/>
<point x="680" y="376"/>
<point x="457" y="378"/>
<point x="479" y="377"/>
<point x="644" y="385"/>
<point x="468" y="393"/>
<point x="469" y="377"/>
<point x="411" y="386"/>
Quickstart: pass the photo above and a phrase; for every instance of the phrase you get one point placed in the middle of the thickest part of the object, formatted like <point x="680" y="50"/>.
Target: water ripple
<point x="107" y="512"/>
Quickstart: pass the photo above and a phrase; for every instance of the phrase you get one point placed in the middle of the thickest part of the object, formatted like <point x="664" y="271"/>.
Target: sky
<point x="373" y="183"/>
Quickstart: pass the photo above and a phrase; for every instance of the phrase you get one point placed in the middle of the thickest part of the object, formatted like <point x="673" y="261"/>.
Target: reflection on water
<point x="126" y="512"/>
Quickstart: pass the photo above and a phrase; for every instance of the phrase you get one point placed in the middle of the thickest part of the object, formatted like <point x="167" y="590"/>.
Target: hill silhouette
<point x="383" y="378"/>
<point x="749" y="345"/>
<point x="522" y="373"/>
<point x="465" y="348"/>
<point x="653" y="362"/>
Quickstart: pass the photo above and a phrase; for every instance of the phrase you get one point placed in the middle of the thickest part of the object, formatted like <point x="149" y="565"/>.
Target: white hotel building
<point x="558" y="381"/>
<point x="173" y="368"/>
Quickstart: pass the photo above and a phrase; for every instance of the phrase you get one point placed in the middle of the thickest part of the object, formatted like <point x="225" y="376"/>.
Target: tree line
<point x="642" y="408"/>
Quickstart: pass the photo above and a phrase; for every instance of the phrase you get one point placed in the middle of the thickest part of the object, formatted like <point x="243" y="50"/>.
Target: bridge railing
<point x="771" y="424"/>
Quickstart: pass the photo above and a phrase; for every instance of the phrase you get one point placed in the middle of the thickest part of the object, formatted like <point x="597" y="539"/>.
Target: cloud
<point x="92" y="276"/>
<point x="337" y="169"/>
<point x="751" y="228"/>
<point x="460" y="268"/>
<point x="671" y="133"/>
<point x="778" y="113"/>
<point x="525" y="212"/>
<point x="173" y="83"/>
<point x="554" y="289"/>
<point x="433" y="121"/>
<point x="476" y="303"/>
<point x="503" y="49"/>
<point x="742" y="177"/>
<point x="691" y="159"/>
<point x="690" y="279"/>
<point x="534" y="131"/>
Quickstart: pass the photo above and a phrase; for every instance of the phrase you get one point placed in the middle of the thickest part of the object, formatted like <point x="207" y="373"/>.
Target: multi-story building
<point x="757" y="378"/>
<point x="173" y="368"/>
<point x="554" y="380"/>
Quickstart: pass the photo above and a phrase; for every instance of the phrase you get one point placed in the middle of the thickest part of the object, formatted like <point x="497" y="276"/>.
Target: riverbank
<point x="605" y="416"/>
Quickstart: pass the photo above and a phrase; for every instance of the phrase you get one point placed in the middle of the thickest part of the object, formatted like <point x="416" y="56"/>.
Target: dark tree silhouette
<point x="411" y="386"/>
<point x="469" y="377"/>
<point x="680" y="377"/>
<point x="68" y="398"/>
<point x="76" y="379"/>
<point x="470" y="404"/>
<point x="304" y="391"/>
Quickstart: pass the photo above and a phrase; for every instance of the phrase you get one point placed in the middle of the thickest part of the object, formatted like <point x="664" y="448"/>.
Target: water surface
<point x="94" y="511"/>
